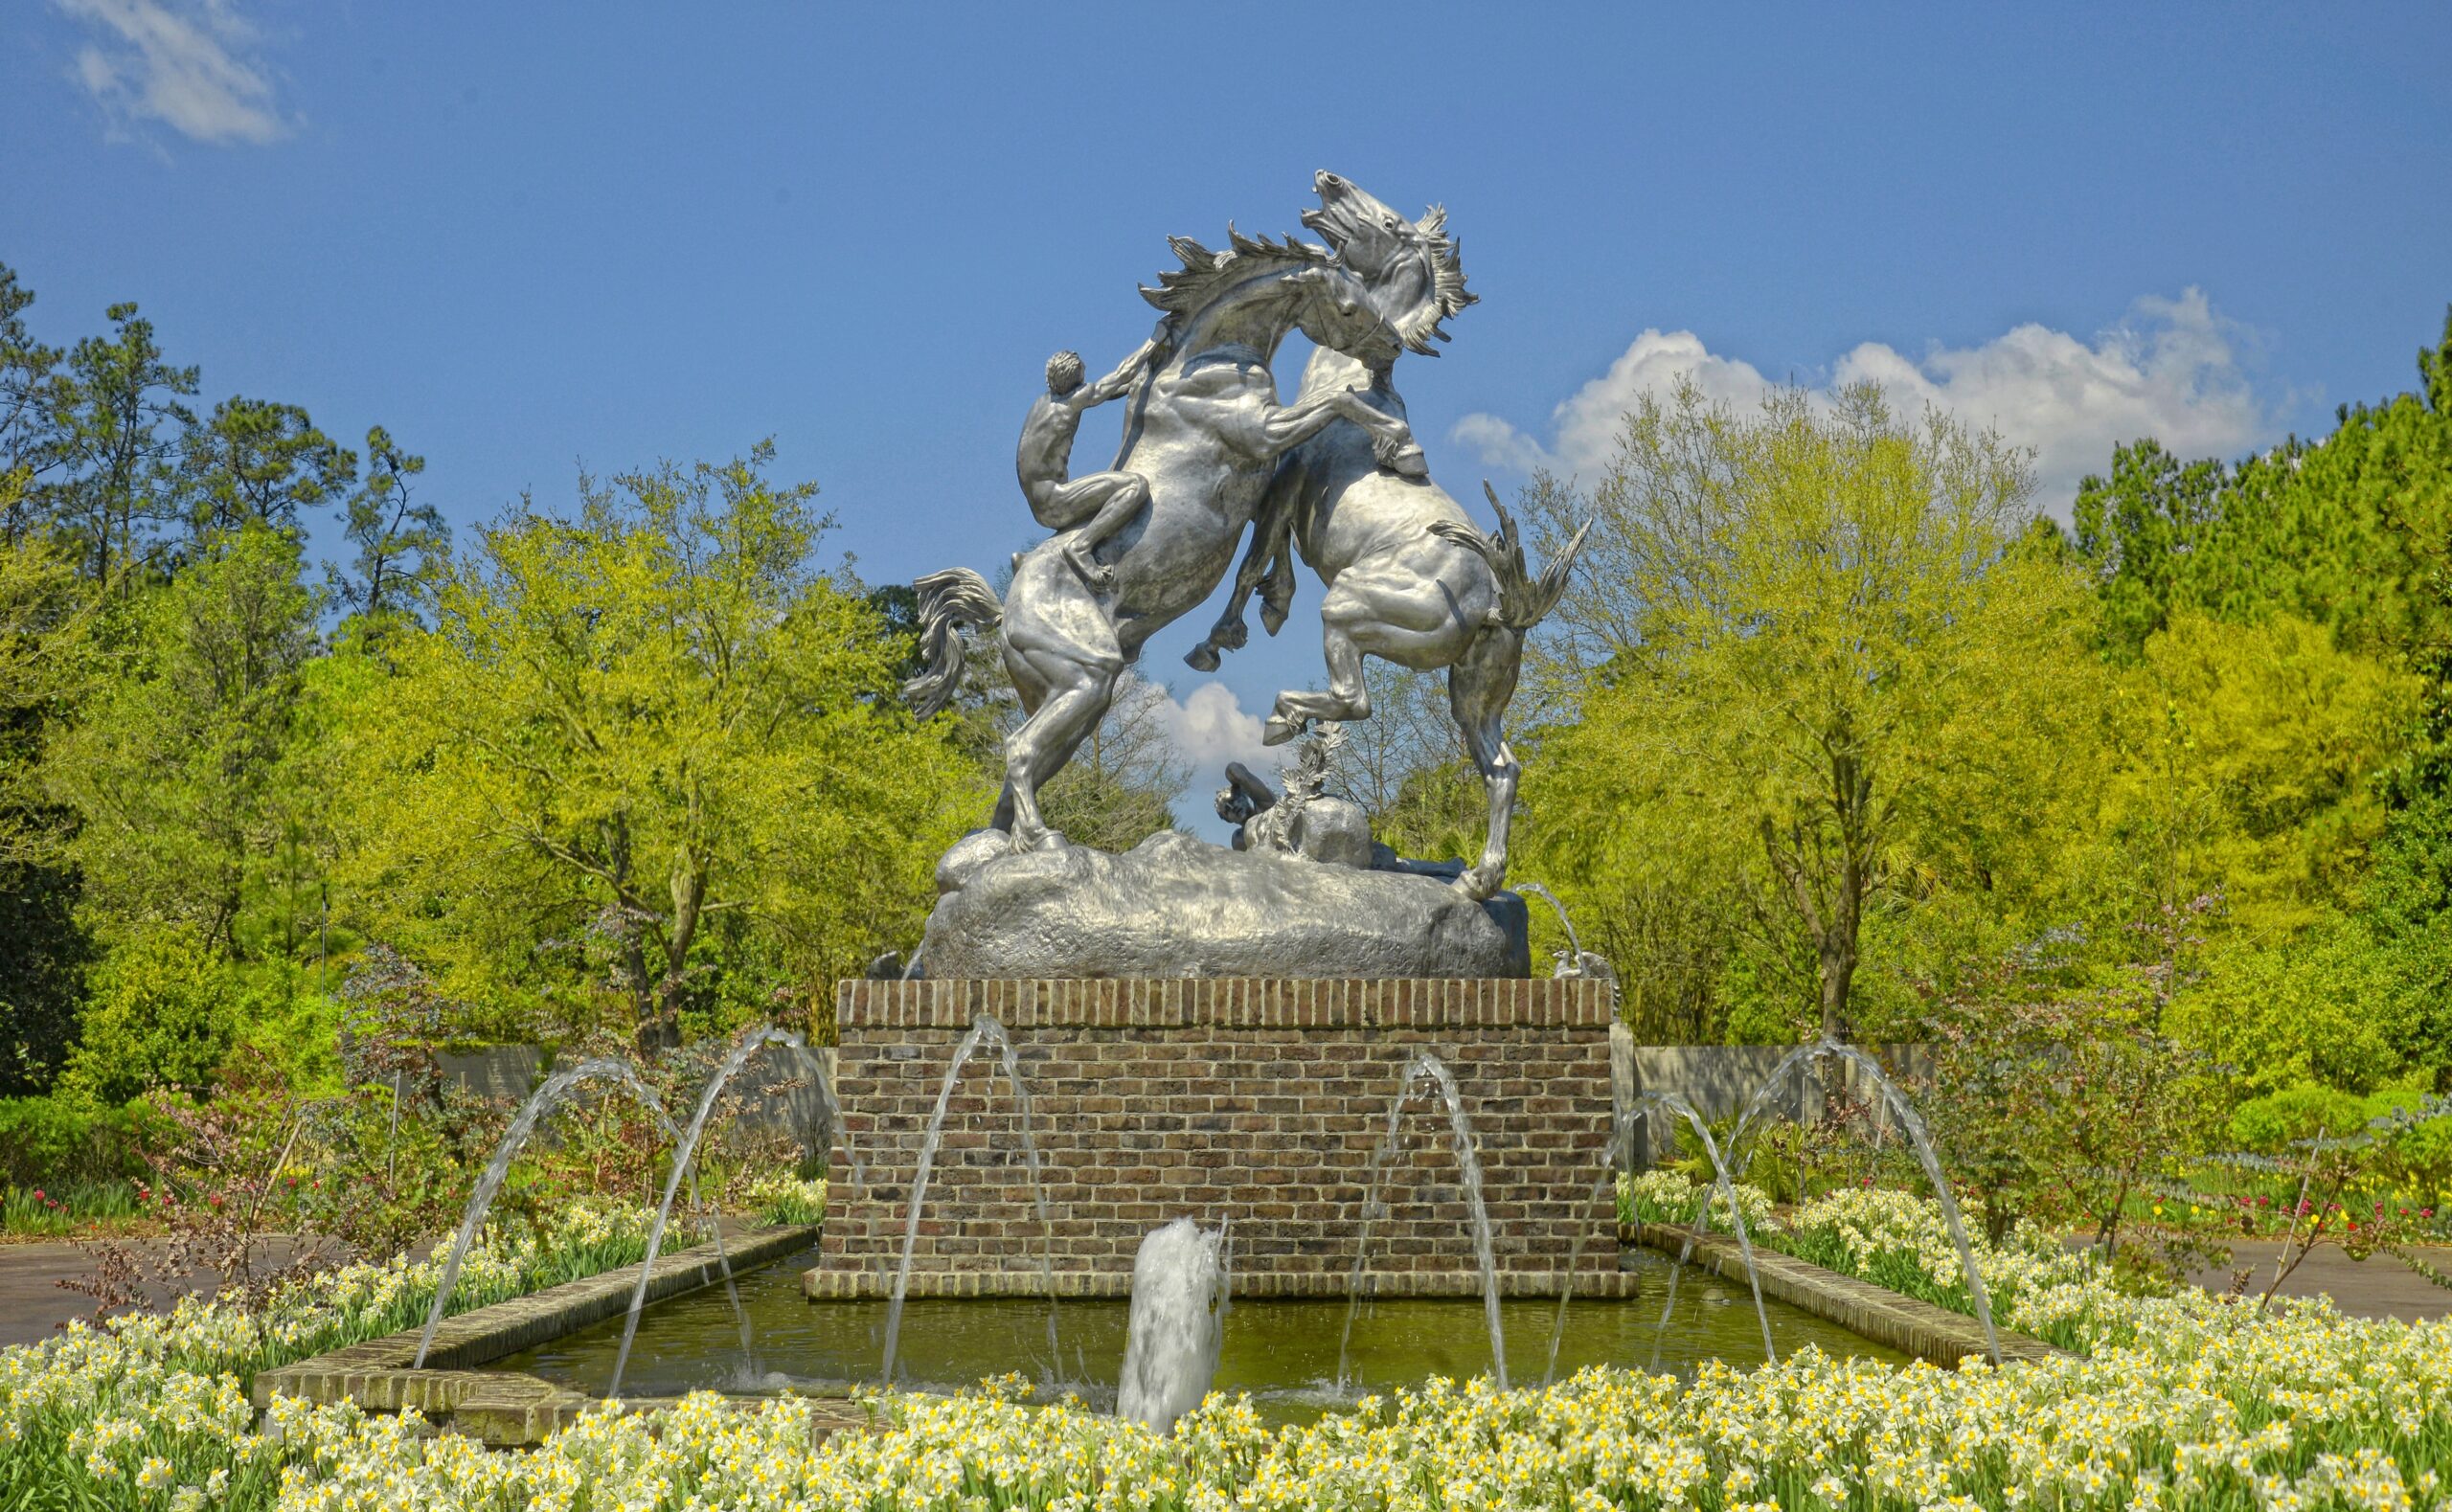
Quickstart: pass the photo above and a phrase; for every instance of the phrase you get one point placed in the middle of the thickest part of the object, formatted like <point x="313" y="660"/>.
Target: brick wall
<point x="1256" y="1100"/>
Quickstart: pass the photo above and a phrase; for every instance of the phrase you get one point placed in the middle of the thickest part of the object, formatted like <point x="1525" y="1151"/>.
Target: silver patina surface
<point x="1208" y="450"/>
<point x="1174" y="906"/>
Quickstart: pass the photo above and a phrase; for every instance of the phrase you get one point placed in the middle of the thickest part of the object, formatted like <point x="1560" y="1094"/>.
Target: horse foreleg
<point x="1277" y="589"/>
<point x="1478" y="687"/>
<point x="1287" y="426"/>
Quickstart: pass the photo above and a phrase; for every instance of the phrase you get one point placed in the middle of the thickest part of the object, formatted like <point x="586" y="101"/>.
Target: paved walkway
<point x="34" y="1304"/>
<point x="2378" y="1287"/>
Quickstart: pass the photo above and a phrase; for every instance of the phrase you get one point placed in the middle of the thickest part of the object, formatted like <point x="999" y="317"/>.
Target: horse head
<point x="1256" y="289"/>
<point x="1337" y="311"/>
<point x="1411" y="267"/>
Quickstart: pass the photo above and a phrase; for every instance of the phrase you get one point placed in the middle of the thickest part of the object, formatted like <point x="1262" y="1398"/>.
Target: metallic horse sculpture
<point x="1204" y="430"/>
<point x="1408" y="577"/>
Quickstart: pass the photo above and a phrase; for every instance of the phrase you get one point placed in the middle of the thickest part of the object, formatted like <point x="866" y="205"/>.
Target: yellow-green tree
<point x="2244" y="760"/>
<point x="1821" y="671"/>
<point x="651" y="726"/>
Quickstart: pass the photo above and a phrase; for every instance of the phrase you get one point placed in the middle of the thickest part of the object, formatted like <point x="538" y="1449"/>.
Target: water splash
<point x="684" y="1165"/>
<point x="541" y="1102"/>
<point x="1575" y="946"/>
<point x="1181" y="1283"/>
<point x="1425" y="1064"/>
<point x="983" y="1030"/>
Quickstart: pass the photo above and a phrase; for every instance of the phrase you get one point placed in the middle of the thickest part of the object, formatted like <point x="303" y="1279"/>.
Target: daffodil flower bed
<point x="782" y="1198"/>
<point x="2187" y="1403"/>
<point x="109" y="1415"/>
<point x="1898" y="1240"/>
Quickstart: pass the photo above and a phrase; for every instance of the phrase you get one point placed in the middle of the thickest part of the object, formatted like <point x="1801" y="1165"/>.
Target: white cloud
<point x="2171" y="368"/>
<point x="1209" y="729"/>
<point x="182" y="62"/>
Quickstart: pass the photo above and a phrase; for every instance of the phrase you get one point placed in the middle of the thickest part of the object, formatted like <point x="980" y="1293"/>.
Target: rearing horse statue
<point x="1409" y="577"/>
<point x="1205" y="430"/>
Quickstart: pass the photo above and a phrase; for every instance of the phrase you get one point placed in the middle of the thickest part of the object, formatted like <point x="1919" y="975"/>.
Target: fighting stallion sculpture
<point x="1204" y="432"/>
<point x="1335" y="476"/>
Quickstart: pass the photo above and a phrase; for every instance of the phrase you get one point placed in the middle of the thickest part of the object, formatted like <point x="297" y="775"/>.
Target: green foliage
<point x="163" y="1014"/>
<point x="2350" y="531"/>
<point x="60" y="1209"/>
<point x="631" y="730"/>
<point x="2305" y="1110"/>
<point x="67" y="1141"/>
<point x="177" y="768"/>
<point x="402" y="543"/>
<point x="2327" y="1006"/>
<point x="1817" y="662"/>
<point x="254" y="462"/>
<point x="2246" y="758"/>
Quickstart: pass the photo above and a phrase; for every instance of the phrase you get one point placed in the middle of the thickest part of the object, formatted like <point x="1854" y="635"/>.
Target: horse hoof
<point x="1478" y="882"/>
<point x="1026" y="841"/>
<point x="1407" y="462"/>
<point x="1273" y="616"/>
<point x="1280" y="730"/>
<point x="1202" y="658"/>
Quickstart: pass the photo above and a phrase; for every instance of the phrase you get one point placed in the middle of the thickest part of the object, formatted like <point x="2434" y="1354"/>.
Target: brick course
<point x="1259" y="1101"/>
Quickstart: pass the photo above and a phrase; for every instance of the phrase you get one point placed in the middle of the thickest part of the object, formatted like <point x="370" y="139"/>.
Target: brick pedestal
<point x="1257" y="1101"/>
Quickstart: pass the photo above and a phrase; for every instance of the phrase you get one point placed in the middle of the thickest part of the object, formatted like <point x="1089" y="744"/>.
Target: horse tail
<point x="950" y="602"/>
<point x="1524" y="599"/>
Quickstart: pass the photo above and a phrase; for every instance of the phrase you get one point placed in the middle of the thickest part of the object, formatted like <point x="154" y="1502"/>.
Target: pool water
<point x="1283" y="1352"/>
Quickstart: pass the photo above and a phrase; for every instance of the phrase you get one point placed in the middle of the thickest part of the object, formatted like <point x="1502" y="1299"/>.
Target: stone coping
<point x="822" y="1284"/>
<point x="507" y="1408"/>
<point x="1881" y="1315"/>
<point x="1242" y="1002"/>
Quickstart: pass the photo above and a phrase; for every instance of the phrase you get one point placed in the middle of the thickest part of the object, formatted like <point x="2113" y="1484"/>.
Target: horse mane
<point x="1205" y="274"/>
<point x="1449" y="293"/>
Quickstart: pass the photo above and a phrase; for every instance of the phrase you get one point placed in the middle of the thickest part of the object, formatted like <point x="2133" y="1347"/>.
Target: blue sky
<point x="527" y="235"/>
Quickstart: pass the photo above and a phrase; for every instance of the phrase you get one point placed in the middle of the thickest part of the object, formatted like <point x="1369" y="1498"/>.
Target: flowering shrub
<point x="781" y="1197"/>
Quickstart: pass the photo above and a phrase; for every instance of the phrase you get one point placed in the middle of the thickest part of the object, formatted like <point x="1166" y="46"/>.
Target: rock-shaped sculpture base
<point x="1174" y="906"/>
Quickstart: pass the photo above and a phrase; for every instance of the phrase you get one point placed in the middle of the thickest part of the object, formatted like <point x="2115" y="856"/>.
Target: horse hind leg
<point x="1478" y="687"/>
<point x="1344" y="698"/>
<point x="1230" y="633"/>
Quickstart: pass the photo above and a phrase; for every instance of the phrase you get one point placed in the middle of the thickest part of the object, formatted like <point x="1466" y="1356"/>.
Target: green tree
<point x="46" y="647"/>
<point x="401" y="542"/>
<point x="2352" y="532"/>
<point x="252" y="462"/>
<point x="2144" y="531"/>
<point x="2245" y="759"/>
<point x="653" y="726"/>
<point x="175" y="770"/>
<point x="1824" y="652"/>
<point x="164" y="1012"/>
<point x="31" y="399"/>
<point x="120" y="472"/>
